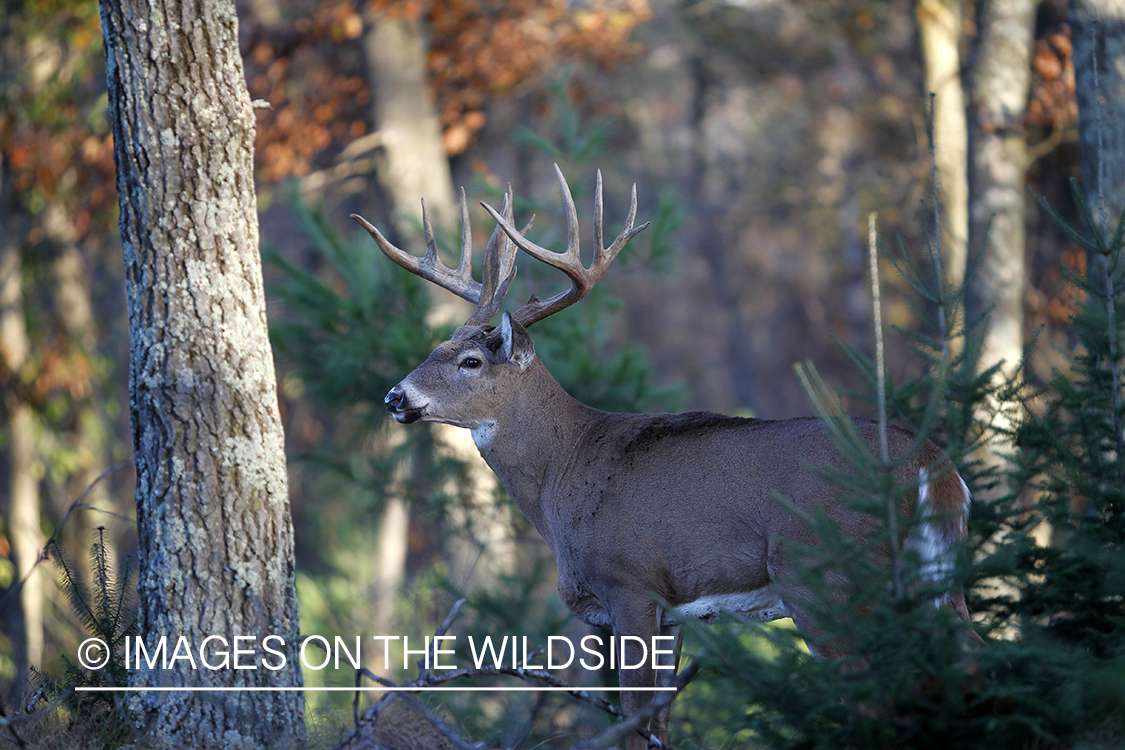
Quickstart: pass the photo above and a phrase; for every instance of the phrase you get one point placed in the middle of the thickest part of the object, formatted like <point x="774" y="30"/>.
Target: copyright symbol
<point x="93" y="653"/>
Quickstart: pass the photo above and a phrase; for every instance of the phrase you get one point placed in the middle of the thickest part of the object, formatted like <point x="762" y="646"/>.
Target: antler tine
<point x="582" y="279"/>
<point x="465" y="267"/>
<point x="627" y="231"/>
<point x="499" y="267"/>
<point x="430" y="266"/>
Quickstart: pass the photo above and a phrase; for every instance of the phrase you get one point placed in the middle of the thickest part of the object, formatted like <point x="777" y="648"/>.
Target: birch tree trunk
<point x="939" y="27"/>
<point x="214" y="530"/>
<point x="1099" y="26"/>
<point x="1002" y="80"/>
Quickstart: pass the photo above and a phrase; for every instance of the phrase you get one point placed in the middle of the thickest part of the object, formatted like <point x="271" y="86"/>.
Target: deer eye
<point x="470" y="363"/>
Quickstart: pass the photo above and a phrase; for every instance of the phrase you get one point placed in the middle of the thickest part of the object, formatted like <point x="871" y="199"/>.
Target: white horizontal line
<point x="377" y="688"/>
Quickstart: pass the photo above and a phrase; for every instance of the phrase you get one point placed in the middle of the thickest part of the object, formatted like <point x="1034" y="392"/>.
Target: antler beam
<point x="499" y="262"/>
<point x="582" y="279"/>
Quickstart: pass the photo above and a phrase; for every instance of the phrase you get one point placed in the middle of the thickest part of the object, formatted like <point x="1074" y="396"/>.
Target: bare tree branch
<point x="426" y="678"/>
<point x="620" y="731"/>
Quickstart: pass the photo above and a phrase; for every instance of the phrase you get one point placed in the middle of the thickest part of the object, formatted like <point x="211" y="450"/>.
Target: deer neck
<point x="534" y="438"/>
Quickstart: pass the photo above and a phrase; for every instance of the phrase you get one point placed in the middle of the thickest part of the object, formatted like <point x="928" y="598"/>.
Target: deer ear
<point x="515" y="343"/>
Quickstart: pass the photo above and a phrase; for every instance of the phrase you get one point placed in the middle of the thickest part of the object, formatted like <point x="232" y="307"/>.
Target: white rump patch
<point x="762" y="604"/>
<point x="936" y="552"/>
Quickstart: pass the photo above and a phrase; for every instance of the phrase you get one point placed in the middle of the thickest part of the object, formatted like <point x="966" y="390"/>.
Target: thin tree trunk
<point x="1099" y="26"/>
<point x="939" y="26"/>
<point x="413" y="166"/>
<point x="24" y="528"/>
<point x="74" y="308"/>
<point x="215" y="539"/>
<point x="999" y="166"/>
<point x="23" y="488"/>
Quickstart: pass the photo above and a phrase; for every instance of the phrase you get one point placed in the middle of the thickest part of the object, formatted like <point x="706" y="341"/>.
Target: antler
<point x="499" y="262"/>
<point x="582" y="279"/>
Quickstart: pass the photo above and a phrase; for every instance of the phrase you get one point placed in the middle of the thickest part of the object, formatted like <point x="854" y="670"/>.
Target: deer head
<point x="468" y="378"/>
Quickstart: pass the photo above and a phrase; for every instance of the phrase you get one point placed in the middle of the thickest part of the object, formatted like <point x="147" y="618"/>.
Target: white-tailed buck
<point x="640" y="507"/>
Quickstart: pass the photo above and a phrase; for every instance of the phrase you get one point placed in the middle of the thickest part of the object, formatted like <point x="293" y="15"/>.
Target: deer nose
<point x="394" y="399"/>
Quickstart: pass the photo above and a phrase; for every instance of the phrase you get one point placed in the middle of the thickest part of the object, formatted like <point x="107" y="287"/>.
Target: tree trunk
<point x="215" y="539"/>
<point x="74" y="308"/>
<point x="412" y="166"/>
<point x="23" y="487"/>
<point x="939" y="26"/>
<point x="1098" y="26"/>
<point x="1001" y="81"/>
<point x="24" y="530"/>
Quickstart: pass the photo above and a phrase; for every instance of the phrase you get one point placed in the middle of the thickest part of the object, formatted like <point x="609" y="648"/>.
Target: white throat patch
<point x="483" y="434"/>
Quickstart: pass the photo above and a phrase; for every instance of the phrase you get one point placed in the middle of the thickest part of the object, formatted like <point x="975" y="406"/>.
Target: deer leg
<point x="796" y="599"/>
<point x="665" y="677"/>
<point x="635" y="616"/>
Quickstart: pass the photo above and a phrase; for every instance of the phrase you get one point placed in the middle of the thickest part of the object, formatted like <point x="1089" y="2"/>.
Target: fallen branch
<point x="426" y="678"/>
<point x="618" y="732"/>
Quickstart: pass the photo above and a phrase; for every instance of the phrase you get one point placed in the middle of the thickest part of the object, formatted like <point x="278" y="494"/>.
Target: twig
<point x="11" y="729"/>
<point x="881" y="399"/>
<point x="439" y="724"/>
<point x="371" y="717"/>
<point x="426" y="678"/>
<point x="355" y="698"/>
<point x="29" y="706"/>
<point x="532" y="674"/>
<point x="23" y="718"/>
<point x="78" y="504"/>
<point x="620" y="731"/>
<point x="880" y="365"/>
<point x="431" y="657"/>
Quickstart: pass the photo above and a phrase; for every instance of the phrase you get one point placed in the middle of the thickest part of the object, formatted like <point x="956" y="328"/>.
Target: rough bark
<point x="1099" y="26"/>
<point x="939" y="27"/>
<point x="214" y="530"/>
<point x="1001" y="82"/>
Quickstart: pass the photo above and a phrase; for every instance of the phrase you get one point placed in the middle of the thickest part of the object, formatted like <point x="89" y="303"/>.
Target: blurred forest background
<point x="760" y="133"/>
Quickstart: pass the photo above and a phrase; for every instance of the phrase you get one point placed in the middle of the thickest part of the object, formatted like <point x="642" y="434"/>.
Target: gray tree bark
<point x="214" y="530"/>
<point x="999" y="161"/>
<point x="1098" y="26"/>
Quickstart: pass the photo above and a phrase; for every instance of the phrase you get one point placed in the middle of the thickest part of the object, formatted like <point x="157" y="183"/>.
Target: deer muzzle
<point x="400" y="407"/>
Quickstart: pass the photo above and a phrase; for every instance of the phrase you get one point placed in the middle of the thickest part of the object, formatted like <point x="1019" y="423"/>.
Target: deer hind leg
<point x="797" y="599"/>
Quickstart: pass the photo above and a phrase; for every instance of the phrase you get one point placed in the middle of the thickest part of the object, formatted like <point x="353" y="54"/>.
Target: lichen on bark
<point x="214" y="530"/>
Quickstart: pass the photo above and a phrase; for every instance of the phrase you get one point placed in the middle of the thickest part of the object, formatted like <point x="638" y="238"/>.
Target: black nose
<point x="394" y="399"/>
